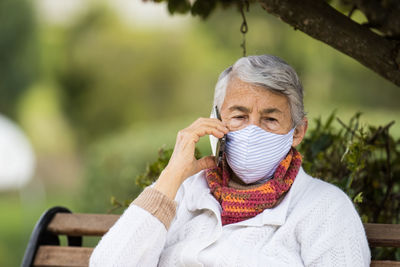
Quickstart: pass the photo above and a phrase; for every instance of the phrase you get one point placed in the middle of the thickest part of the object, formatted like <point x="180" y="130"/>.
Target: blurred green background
<point x="99" y="86"/>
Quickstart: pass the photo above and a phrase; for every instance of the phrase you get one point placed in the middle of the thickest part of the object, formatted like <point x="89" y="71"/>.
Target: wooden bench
<point x="44" y="247"/>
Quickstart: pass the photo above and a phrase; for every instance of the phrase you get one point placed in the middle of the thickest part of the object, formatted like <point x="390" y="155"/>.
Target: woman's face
<point x="246" y="104"/>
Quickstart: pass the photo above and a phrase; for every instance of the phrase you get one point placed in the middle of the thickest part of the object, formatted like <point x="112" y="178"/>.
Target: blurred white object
<point x="17" y="160"/>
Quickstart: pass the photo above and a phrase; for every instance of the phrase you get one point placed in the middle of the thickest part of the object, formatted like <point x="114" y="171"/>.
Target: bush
<point x="363" y="161"/>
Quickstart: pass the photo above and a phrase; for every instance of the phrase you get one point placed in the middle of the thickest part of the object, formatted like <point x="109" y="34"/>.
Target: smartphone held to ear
<point x="220" y="144"/>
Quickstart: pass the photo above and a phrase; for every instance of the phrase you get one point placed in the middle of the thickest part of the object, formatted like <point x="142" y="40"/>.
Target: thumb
<point x="206" y="163"/>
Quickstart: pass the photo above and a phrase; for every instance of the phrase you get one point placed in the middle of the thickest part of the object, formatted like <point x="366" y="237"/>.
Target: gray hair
<point x="269" y="72"/>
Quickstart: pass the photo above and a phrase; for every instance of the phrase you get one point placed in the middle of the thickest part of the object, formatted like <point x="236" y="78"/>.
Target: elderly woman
<point x="258" y="207"/>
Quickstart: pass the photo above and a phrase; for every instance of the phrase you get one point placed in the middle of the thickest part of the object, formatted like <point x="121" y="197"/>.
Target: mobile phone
<point x="220" y="144"/>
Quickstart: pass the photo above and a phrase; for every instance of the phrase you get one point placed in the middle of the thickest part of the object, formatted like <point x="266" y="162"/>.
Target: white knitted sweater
<point x="316" y="224"/>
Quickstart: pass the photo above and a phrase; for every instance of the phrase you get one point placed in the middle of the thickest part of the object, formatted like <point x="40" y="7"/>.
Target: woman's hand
<point x="183" y="163"/>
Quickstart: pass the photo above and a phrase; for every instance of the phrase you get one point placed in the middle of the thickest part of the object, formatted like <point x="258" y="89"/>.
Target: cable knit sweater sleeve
<point x="337" y="240"/>
<point x="138" y="237"/>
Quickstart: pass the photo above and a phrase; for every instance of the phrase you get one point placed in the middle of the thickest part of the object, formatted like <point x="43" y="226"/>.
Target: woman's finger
<point x="216" y="130"/>
<point x="210" y="131"/>
<point x="210" y="122"/>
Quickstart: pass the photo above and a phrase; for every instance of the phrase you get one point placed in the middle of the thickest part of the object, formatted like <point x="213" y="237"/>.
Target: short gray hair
<point x="269" y="72"/>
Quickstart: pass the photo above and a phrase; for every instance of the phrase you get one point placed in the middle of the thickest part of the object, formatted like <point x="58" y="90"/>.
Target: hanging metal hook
<point x="244" y="5"/>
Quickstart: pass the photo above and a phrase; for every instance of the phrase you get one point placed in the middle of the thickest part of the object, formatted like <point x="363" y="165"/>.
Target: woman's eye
<point x="239" y="117"/>
<point x="270" y="119"/>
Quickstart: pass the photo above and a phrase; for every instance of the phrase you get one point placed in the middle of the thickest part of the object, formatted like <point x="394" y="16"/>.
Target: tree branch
<point x="322" y="22"/>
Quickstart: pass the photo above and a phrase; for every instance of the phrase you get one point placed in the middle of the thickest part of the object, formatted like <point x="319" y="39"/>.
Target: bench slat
<point x="79" y="257"/>
<point x="76" y="224"/>
<point x="98" y="224"/>
<point x="385" y="264"/>
<point x="62" y="256"/>
<point x="383" y="235"/>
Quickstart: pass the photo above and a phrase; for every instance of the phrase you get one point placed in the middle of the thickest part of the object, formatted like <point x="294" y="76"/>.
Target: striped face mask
<point x="254" y="154"/>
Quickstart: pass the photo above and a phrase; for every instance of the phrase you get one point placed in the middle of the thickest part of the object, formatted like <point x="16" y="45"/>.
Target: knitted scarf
<point x="242" y="204"/>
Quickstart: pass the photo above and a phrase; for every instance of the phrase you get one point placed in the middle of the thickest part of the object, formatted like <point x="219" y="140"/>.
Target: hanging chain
<point x="244" y="6"/>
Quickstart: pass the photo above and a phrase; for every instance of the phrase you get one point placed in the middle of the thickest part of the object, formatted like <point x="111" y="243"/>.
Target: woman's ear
<point x="300" y="132"/>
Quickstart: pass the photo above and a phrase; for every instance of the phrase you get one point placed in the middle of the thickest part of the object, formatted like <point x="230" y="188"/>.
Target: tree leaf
<point x="358" y="198"/>
<point x="178" y="6"/>
<point x="203" y="8"/>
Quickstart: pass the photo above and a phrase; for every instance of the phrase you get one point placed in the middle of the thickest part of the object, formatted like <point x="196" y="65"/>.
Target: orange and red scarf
<point x="242" y="204"/>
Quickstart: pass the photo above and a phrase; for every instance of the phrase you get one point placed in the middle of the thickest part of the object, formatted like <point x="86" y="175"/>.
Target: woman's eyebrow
<point x="239" y="108"/>
<point x="270" y="110"/>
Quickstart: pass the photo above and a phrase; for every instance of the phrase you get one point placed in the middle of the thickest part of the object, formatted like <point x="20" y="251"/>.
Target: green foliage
<point x="112" y="76"/>
<point x="363" y="161"/>
<point x="112" y="163"/>
<point x="153" y="170"/>
<point x="178" y="6"/>
<point x="18" y="55"/>
<point x="202" y="8"/>
<point x="110" y="167"/>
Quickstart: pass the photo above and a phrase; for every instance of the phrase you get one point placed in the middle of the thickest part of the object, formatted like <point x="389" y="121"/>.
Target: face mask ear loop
<point x="213" y="139"/>
<point x="292" y="133"/>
